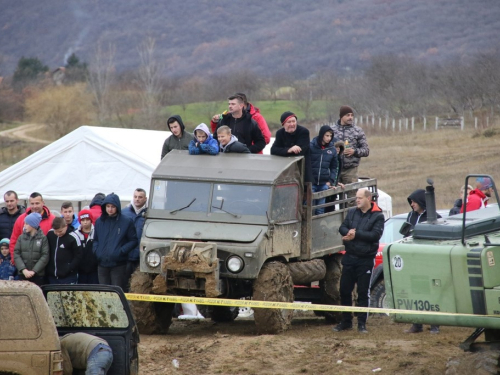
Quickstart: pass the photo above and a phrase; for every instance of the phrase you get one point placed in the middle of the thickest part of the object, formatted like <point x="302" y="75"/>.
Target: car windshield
<point x="391" y="230"/>
<point x="206" y="197"/>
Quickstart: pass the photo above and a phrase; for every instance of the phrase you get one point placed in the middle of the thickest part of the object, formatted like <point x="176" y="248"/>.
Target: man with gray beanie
<point x="356" y="146"/>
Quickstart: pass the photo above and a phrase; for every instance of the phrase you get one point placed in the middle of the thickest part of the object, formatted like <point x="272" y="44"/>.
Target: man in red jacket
<point x="36" y="205"/>
<point x="478" y="198"/>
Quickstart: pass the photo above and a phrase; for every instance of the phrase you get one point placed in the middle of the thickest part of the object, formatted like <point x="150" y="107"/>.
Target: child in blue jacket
<point x="203" y="142"/>
<point x="7" y="270"/>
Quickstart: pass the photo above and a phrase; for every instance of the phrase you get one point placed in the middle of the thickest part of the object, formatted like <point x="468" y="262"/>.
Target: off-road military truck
<point x="236" y="226"/>
<point x="451" y="265"/>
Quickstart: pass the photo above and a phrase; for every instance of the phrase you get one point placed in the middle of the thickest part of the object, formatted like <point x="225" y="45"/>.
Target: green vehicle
<point x="450" y="265"/>
<point x="237" y="226"/>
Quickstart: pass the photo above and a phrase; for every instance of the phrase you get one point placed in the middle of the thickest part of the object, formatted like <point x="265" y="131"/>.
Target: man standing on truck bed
<point x="242" y="125"/>
<point x="180" y="138"/>
<point x="361" y="232"/>
<point x="355" y="145"/>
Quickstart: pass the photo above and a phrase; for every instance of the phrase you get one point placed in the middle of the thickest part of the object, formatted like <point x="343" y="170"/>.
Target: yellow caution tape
<point x="277" y="305"/>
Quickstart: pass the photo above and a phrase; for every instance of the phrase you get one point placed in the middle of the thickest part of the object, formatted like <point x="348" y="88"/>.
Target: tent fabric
<point x="87" y="161"/>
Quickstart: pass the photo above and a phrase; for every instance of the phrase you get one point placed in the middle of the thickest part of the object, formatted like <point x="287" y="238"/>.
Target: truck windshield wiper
<point x="182" y="208"/>
<point x="227" y="212"/>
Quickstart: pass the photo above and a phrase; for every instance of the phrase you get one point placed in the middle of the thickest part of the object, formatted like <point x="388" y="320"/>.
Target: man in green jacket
<point x="180" y="138"/>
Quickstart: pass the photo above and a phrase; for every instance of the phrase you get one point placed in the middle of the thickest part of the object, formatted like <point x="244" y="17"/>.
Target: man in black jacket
<point x="65" y="254"/>
<point x="9" y="213"/>
<point x="293" y="140"/>
<point x="242" y="125"/>
<point x="361" y="232"/>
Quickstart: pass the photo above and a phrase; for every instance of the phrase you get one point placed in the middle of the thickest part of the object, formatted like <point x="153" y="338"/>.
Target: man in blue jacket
<point x="114" y="238"/>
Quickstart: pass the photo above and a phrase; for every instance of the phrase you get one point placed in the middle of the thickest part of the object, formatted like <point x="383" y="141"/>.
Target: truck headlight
<point x="153" y="259"/>
<point x="235" y="264"/>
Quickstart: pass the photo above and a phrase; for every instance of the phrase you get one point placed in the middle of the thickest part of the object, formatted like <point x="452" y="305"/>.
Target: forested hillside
<point x="265" y="37"/>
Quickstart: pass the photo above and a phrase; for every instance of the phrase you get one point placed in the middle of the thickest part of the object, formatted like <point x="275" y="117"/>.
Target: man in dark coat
<point x="65" y="250"/>
<point x="293" y="140"/>
<point x="361" y="232"/>
<point x="9" y="213"/>
<point x="114" y="238"/>
<point x="87" y="272"/>
<point x="242" y="125"/>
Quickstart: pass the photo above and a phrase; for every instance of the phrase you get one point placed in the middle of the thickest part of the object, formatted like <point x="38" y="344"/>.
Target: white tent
<point x="87" y="161"/>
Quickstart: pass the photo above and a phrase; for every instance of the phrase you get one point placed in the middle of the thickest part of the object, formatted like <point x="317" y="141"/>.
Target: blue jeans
<point x="100" y="360"/>
<point x="315" y="189"/>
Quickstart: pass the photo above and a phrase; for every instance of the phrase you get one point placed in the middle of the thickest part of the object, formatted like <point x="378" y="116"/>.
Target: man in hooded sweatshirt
<point x="180" y="138"/>
<point x="203" y="142"/>
<point x="323" y="164"/>
<point x="418" y="214"/>
<point x="114" y="238"/>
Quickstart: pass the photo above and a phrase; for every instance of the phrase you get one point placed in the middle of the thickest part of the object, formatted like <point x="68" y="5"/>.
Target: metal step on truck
<point x="238" y="226"/>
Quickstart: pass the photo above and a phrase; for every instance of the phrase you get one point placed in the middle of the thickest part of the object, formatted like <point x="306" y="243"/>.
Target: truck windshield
<point x="175" y="196"/>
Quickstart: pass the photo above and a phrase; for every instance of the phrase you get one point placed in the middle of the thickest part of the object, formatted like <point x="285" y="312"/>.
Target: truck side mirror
<point x="405" y="229"/>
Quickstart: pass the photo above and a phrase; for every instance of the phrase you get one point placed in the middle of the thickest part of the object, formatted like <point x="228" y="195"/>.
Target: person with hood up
<point x="7" y="270"/>
<point x="293" y="140"/>
<point x="478" y="198"/>
<point x="323" y="164"/>
<point x="37" y="205"/>
<point x="180" y="138"/>
<point x="114" y="238"/>
<point x="229" y="143"/>
<point x="31" y="254"/>
<point x="418" y="214"/>
<point x="203" y="142"/>
<point x="95" y="205"/>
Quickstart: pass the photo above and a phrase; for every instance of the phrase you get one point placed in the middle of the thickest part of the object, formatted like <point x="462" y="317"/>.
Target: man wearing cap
<point x="242" y="126"/>
<point x="135" y="211"/>
<point x="293" y="140"/>
<point x="31" y="253"/>
<point x="114" y="238"/>
<point x="478" y="198"/>
<point x="356" y="146"/>
<point x="87" y="272"/>
<point x="36" y="205"/>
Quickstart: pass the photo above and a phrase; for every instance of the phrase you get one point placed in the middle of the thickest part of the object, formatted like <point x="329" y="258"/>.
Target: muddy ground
<point x="309" y="347"/>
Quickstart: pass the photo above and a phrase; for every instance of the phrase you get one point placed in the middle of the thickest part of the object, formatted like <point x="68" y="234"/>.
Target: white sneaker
<point x="245" y="312"/>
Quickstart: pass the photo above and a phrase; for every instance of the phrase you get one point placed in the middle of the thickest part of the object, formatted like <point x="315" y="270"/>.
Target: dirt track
<point x="309" y="347"/>
<point x="20" y="133"/>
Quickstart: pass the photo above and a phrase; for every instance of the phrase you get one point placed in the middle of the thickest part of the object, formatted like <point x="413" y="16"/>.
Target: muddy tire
<point x="224" y="314"/>
<point x="274" y="283"/>
<point x="150" y="317"/>
<point x="306" y="272"/>
<point x="378" y="298"/>
<point x="330" y="288"/>
<point x="480" y="363"/>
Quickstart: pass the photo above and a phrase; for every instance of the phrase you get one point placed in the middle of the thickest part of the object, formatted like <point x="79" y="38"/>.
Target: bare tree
<point x="149" y="79"/>
<point x="100" y="77"/>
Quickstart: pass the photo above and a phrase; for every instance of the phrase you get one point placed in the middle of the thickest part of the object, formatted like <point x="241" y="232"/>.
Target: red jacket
<point x="475" y="201"/>
<point x="45" y="226"/>
<point x="259" y="119"/>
